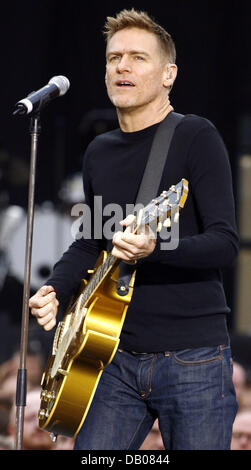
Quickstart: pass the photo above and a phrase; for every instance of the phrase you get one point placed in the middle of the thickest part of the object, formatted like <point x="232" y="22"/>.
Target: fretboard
<point x="99" y="275"/>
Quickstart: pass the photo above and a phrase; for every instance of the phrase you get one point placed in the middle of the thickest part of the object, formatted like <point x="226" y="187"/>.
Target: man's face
<point x="241" y="438"/>
<point x="135" y="70"/>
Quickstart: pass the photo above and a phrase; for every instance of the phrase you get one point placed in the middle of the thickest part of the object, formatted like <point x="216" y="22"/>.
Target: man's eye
<point x="114" y="57"/>
<point x="138" y="57"/>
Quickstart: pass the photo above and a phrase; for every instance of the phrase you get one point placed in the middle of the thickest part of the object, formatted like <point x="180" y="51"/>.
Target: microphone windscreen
<point x="62" y="83"/>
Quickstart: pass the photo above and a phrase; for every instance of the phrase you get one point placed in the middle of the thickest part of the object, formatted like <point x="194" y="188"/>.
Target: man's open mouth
<point x="124" y="83"/>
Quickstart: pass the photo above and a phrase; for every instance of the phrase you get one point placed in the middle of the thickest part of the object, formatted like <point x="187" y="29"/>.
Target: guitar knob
<point x="43" y="394"/>
<point x="41" y="414"/>
<point x="46" y="396"/>
<point x="50" y="396"/>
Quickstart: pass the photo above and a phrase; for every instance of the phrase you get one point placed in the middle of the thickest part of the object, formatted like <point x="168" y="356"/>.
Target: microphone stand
<point x="35" y="130"/>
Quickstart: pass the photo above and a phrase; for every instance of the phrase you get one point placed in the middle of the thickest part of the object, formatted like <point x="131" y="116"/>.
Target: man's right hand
<point x="44" y="306"/>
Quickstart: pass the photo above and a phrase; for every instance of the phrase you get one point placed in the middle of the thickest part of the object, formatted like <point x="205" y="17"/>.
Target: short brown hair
<point x="140" y="19"/>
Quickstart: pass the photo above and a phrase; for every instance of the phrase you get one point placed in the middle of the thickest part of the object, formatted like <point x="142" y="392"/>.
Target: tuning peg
<point x="176" y="216"/>
<point x="167" y="222"/>
<point x="139" y="218"/>
<point x="159" y="226"/>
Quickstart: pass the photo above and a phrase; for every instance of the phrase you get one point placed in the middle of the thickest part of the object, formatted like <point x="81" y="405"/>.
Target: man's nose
<point x="124" y="65"/>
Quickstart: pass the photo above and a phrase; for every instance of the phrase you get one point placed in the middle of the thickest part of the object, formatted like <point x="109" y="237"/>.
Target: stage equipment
<point x="32" y="105"/>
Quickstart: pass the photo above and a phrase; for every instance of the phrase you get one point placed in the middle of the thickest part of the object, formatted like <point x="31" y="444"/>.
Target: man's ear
<point x="170" y="75"/>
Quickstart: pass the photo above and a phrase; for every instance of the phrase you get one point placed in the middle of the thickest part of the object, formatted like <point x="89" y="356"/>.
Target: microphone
<point x="57" y="86"/>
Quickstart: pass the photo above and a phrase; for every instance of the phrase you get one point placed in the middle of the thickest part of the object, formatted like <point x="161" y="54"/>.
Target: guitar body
<point x="84" y="344"/>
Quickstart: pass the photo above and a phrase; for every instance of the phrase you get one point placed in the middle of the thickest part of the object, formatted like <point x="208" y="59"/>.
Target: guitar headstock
<point x="159" y="210"/>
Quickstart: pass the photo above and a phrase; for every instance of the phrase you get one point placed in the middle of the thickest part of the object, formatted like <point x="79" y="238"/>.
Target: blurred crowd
<point x="35" y="438"/>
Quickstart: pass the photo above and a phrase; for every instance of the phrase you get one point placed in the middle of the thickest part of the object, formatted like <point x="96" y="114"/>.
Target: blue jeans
<point x="190" y="392"/>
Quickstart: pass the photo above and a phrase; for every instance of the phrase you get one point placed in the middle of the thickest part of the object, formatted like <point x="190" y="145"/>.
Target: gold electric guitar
<point x="87" y="338"/>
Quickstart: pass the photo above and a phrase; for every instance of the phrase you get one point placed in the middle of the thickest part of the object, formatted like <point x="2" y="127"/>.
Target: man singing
<point x="174" y="359"/>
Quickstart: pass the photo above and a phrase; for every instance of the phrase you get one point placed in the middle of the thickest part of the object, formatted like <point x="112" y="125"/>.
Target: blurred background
<point x="46" y="38"/>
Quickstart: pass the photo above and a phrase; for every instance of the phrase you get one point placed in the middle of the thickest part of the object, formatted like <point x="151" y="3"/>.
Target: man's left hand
<point x="131" y="247"/>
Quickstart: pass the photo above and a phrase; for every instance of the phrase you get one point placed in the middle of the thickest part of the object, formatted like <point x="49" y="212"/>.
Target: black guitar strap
<point x="157" y="158"/>
<point x="150" y="182"/>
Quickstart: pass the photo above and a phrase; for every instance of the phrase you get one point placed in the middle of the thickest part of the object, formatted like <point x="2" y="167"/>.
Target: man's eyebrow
<point x="132" y="52"/>
<point x="140" y="52"/>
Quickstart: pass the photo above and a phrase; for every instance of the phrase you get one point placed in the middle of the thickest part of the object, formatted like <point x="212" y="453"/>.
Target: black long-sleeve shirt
<point x="178" y="300"/>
